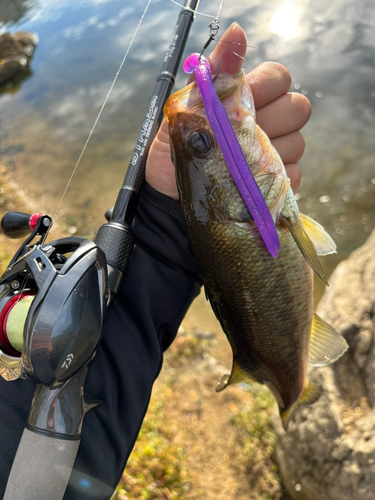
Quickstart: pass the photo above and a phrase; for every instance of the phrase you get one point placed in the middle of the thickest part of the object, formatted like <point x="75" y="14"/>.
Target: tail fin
<point x="311" y="394"/>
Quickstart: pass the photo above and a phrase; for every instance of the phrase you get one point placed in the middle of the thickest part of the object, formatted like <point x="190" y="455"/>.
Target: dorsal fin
<point x="323" y="243"/>
<point x="305" y="245"/>
<point x="326" y="344"/>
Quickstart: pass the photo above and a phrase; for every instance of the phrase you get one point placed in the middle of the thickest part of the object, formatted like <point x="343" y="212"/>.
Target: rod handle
<point x="41" y="467"/>
<point x="117" y="242"/>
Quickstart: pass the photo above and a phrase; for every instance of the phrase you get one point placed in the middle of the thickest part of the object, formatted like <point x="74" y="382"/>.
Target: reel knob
<point x="18" y="224"/>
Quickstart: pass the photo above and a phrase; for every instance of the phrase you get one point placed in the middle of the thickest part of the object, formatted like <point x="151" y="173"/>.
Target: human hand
<point x="279" y="113"/>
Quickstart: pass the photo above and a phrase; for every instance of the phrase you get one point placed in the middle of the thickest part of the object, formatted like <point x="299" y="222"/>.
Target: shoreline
<point x="14" y="197"/>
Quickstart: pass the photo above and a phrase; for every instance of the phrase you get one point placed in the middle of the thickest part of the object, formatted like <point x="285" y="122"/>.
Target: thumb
<point x="225" y="56"/>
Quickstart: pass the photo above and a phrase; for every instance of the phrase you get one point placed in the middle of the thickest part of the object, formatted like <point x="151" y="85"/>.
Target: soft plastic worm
<point x="232" y="153"/>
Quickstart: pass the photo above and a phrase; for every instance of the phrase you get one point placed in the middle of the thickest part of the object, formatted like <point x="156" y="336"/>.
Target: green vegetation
<point x="254" y="423"/>
<point x="155" y="470"/>
<point x="257" y="438"/>
<point x="189" y="345"/>
<point x="157" y="467"/>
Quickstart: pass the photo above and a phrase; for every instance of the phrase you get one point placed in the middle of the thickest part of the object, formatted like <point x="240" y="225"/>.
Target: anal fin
<point x="326" y="344"/>
<point x="236" y="376"/>
<point x="305" y="244"/>
<point x="310" y="394"/>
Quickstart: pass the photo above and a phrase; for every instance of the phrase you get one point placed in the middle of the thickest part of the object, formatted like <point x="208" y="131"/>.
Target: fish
<point x="264" y="305"/>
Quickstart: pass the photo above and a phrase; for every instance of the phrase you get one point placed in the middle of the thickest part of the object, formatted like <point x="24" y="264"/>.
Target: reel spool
<point x="12" y="320"/>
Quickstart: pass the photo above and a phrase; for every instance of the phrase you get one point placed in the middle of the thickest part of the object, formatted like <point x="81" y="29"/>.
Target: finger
<point x="294" y="173"/>
<point x="268" y="81"/>
<point x="290" y="147"/>
<point x="223" y="57"/>
<point x="163" y="136"/>
<point x="230" y="51"/>
<point x="286" y="114"/>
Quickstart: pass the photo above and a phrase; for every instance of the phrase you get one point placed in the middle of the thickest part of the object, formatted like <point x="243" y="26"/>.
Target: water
<point x="328" y="47"/>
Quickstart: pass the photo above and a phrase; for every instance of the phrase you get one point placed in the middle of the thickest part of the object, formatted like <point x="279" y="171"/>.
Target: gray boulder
<point x="328" y="452"/>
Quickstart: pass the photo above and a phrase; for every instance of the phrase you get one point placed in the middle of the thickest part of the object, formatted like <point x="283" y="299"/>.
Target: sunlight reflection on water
<point x="285" y="20"/>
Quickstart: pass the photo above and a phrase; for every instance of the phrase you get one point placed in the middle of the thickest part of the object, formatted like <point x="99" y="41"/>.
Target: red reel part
<point x="34" y="220"/>
<point x="4" y="341"/>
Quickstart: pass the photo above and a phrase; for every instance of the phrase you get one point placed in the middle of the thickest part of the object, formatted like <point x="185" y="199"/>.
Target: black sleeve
<point x="159" y="285"/>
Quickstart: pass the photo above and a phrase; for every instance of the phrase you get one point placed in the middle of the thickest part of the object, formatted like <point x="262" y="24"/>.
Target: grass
<point x="189" y="345"/>
<point x="155" y="470"/>
<point x="157" y="467"/>
<point x="257" y="438"/>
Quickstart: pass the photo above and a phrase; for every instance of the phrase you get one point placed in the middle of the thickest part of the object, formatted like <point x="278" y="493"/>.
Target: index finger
<point x="268" y="81"/>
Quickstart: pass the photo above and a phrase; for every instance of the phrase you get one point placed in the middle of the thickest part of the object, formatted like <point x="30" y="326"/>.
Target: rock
<point x="328" y="452"/>
<point x="15" y="53"/>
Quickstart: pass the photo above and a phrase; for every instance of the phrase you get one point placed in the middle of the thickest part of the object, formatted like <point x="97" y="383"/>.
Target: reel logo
<point x="68" y="361"/>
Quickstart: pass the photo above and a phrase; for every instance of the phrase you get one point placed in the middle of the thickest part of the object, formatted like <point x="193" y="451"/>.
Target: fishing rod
<point x="53" y="302"/>
<point x="115" y="237"/>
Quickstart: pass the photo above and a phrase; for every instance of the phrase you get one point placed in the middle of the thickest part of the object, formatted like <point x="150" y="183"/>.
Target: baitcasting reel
<point x="53" y="299"/>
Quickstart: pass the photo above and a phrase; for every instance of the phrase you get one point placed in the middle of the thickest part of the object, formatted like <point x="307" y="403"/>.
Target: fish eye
<point x="199" y="143"/>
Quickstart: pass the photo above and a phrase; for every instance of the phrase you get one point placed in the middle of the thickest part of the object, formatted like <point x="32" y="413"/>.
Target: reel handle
<point x="18" y="224"/>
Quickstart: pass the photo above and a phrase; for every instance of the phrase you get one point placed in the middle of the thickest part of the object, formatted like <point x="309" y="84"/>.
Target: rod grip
<point x="117" y="243"/>
<point x="41" y="467"/>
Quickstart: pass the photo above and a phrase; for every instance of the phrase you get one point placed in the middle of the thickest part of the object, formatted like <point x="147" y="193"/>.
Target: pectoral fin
<point x="235" y="377"/>
<point x="305" y="244"/>
<point x="326" y="344"/>
<point x="323" y="243"/>
<point x="311" y="394"/>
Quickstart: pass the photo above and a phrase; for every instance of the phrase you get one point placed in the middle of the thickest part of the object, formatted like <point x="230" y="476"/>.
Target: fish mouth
<point x="177" y="103"/>
<point x="233" y="91"/>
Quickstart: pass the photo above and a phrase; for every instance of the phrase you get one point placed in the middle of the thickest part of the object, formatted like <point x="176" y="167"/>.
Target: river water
<point x="327" y="45"/>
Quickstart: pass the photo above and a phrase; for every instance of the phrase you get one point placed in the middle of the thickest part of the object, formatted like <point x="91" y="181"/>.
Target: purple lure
<point x="232" y="153"/>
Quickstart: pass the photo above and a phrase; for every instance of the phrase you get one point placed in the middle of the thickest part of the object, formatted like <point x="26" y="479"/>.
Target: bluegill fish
<point x="264" y="305"/>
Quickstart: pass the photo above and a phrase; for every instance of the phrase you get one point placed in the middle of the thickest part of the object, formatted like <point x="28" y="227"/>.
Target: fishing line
<point x="103" y="105"/>
<point x="191" y="10"/>
<point x="220" y="7"/>
<point x="215" y="19"/>
<point x="231" y="51"/>
<point x="214" y="31"/>
<point x="22" y="285"/>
